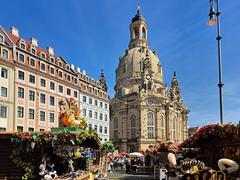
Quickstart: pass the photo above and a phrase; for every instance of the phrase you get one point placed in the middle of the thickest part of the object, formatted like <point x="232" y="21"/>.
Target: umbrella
<point x="123" y="153"/>
<point x="135" y="154"/>
<point x="174" y="145"/>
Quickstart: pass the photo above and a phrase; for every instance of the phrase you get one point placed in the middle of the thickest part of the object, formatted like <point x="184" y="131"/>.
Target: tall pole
<point x="220" y="84"/>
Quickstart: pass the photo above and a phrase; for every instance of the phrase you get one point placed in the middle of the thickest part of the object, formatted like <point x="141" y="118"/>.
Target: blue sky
<point x="93" y="34"/>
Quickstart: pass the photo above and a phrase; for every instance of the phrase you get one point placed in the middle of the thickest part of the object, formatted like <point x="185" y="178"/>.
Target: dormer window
<point x="43" y="56"/>
<point x="68" y="68"/>
<point x="1" y="39"/>
<point x="21" y="58"/>
<point x="33" y="51"/>
<point x="43" y="67"/>
<point x="60" y="64"/>
<point x="22" y="46"/>
<point x="52" y="60"/>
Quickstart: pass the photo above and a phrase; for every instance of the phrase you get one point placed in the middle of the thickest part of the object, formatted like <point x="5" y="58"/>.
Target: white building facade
<point x="94" y="104"/>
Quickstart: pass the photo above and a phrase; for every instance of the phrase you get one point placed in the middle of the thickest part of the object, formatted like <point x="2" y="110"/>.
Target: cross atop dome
<point x="138" y="9"/>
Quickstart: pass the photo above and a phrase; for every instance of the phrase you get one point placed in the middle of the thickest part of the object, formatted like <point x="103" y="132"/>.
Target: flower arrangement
<point x="212" y="130"/>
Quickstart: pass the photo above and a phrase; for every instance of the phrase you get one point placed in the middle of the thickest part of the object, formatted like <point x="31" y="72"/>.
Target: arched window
<point x="136" y="33"/>
<point x="115" y="131"/>
<point x="174" y="128"/>
<point x="115" y="123"/>
<point x="162" y="126"/>
<point x="150" y="119"/>
<point x="133" y="126"/>
<point x="33" y="51"/>
<point x="150" y="124"/>
<point x="133" y="121"/>
<point x="143" y="33"/>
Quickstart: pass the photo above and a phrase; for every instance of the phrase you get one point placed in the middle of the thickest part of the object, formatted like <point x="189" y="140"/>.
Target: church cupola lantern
<point x="138" y="31"/>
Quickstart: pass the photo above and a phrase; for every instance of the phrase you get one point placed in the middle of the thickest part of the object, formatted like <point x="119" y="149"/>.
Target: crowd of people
<point x="175" y="165"/>
<point x="129" y="164"/>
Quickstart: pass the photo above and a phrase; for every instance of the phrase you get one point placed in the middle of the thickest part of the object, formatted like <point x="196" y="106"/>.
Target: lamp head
<point x="212" y="19"/>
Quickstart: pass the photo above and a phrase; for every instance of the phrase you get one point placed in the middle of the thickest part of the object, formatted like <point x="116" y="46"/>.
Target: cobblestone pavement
<point x="122" y="175"/>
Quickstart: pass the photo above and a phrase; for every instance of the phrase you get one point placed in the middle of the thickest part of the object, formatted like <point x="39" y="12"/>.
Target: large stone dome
<point x="130" y="68"/>
<point x="131" y="64"/>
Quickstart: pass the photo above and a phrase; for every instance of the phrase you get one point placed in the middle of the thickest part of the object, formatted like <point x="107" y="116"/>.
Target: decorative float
<point x="60" y="153"/>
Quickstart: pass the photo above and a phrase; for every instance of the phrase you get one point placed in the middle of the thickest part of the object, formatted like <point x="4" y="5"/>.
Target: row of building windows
<point x="32" y="62"/>
<point x="21" y="76"/>
<point x="43" y="84"/>
<point x="90" y="101"/>
<point x="57" y="62"/>
<point x="90" y="115"/>
<point x="31" y="114"/>
<point x="93" y="90"/>
<point x="51" y="69"/>
<point x="21" y="94"/>
<point x="95" y="128"/>
<point x="150" y="126"/>
<point x="20" y="128"/>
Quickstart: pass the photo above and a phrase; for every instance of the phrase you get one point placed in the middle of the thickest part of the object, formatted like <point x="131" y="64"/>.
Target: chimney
<point x="72" y="66"/>
<point x="15" y="31"/>
<point x="34" y="41"/>
<point x="50" y="50"/>
<point x="84" y="72"/>
<point x="78" y="70"/>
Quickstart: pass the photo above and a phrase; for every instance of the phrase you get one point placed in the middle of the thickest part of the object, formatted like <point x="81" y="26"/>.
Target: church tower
<point x="144" y="110"/>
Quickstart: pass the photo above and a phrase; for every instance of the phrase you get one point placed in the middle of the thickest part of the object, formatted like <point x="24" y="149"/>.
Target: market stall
<point x="213" y="142"/>
<point x="62" y="153"/>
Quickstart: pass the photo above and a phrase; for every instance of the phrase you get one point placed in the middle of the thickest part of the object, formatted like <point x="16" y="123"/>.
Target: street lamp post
<point x="211" y="22"/>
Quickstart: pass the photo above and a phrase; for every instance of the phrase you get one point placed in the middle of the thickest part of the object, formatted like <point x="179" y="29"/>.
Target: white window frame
<point x="33" y="48"/>
<point x="41" y="116"/>
<point x="41" y="67"/>
<point x="6" y="113"/>
<point x="4" y="49"/>
<point x="22" y="42"/>
<point x="6" y="70"/>
<point x="30" y="62"/>
<point x="50" y="119"/>
<point x="43" y="54"/>
<point x="19" y="54"/>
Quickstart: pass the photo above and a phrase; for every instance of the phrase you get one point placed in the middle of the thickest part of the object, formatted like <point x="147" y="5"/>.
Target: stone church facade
<point x="144" y="110"/>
